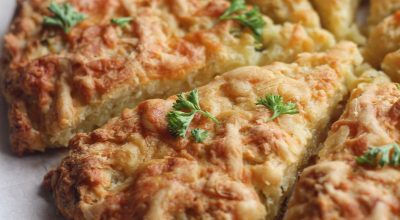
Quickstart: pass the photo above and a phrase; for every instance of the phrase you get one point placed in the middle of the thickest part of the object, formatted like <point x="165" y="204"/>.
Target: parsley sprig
<point x="65" y="16"/>
<point x="199" y="135"/>
<point x="381" y="156"/>
<point x="276" y="104"/>
<point x="178" y="120"/>
<point x="122" y="21"/>
<point x="251" y="19"/>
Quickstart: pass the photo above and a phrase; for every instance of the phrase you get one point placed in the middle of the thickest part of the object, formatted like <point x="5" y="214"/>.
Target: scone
<point x="383" y="39"/>
<point x="338" y="16"/>
<point x="245" y="136"/>
<point x="357" y="175"/>
<point x="73" y="65"/>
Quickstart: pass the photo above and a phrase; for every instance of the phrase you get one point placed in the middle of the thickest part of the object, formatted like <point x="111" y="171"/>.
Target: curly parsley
<point x="250" y="18"/>
<point x="122" y="22"/>
<point x="381" y="156"/>
<point x="275" y="103"/>
<point x="178" y="120"/>
<point x="65" y="16"/>
<point x="199" y="135"/>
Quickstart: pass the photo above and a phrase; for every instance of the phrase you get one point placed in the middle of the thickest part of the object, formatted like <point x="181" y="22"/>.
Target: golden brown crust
<point x="337" y="187"/>
<point x="391" y="65"/>
<point x="66" y="83"/>
<point x="384" y="38"/>
<point x="133" y="168"/>
<point x="380" y="9"/>
<point x="281" y="11"/>
<point x="338" y="16"/>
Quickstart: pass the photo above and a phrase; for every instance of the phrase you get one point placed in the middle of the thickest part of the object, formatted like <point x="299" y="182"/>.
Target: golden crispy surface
<point x="298" y="11"/>
<point x="339" y="188"/>
<point x="384" y="39"/>
<point x="391" y="65"/>
<point x="132" y="168"/>
<point x="338" y="16"/>
<point x="380" y="9"/>
<point x="58" y="84"/>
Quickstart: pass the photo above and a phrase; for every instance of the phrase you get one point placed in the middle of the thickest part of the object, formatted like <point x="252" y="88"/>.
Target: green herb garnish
<point x="199" y="135"/>
<point x="276" y="104"/>
<point x="121" y="21"/>
<point x="236" y="6"/>
<point x="65" y="16"/>
<point x="251" y="19"/>
<point x="179" y="121"/>
<point x="382" y="156"/>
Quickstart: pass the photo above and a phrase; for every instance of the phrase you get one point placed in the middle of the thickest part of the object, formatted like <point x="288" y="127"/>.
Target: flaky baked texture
<point x="338" y="16"/>
<point x="383" y="39"/>
<point x="338" y="187"/>
<point x="281" y="11"/>
<point x="380" y="9"/>
<point x="132" y="168"/>
<point x="391" y="65"/>
<point x="58" y="84"/>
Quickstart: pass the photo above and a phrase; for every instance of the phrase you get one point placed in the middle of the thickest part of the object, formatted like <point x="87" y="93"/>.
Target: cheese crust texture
<point x="383" y="40"/>
<point x="338" y="187"/>
<point x="132" y="168"/>
<point x="380" y="9"/>
<point x="339" y="17"/>
<point x="58" y="84"/>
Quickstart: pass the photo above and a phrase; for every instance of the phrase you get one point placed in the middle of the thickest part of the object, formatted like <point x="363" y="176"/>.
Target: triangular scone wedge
<point x="133" y="168"/>
<point x="58" y="84"/>
<point x="342" y="185"/>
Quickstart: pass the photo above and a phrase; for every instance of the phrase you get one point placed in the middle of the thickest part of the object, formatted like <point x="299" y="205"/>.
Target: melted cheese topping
<point x="59" y="84"/>
<point x="132" y="168"/>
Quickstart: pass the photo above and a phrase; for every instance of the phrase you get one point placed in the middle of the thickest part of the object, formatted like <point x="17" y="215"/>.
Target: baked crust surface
<point x="380" y="9"/>
<point x="384" y="39"/>
<point x="59" y="84"/>
<point x="337" y="187"/>
<point x="133" y="168"/>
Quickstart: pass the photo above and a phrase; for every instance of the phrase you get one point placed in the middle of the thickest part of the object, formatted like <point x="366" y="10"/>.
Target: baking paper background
<point x="21" y="196"/>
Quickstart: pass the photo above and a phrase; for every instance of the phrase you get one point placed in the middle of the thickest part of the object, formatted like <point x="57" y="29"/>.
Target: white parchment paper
<point x="21" y="196"/>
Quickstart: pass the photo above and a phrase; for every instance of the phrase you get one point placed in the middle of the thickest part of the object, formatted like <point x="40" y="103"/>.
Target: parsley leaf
<point x="236" y="6"/>
<point x="276" y="104"/>
<point x="381" y="156"/>
<point x="179" y="121"/>
<point x="251" y="19"/>
<point x="121" y="21"/>
<point x="199" y="135"/>
<point x="65" y="16"/>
